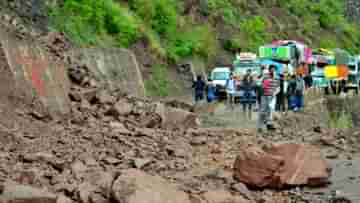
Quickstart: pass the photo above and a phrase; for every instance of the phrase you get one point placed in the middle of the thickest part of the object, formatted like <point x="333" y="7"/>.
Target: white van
<point x="219" y="76"/>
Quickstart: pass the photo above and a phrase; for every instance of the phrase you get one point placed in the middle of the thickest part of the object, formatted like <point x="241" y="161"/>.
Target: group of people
<point x="268" y="92"/>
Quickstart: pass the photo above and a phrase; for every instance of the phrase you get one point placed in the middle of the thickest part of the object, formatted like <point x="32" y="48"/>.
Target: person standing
<point x="199" y="87"/>
<point x="291" y="93"/>
<point x="280" y="97"/>
<point x="210" y="89"/>
<point x="248" y="95"/>
<point x="299" y="93"/>
<point x="259" y="88"/>
<point x="230" y="90"/>
<point x="271" y="88"/>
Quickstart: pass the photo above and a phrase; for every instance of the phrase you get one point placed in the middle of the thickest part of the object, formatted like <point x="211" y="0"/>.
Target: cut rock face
<point x="135" y="186"/>
<point x="281" y="166"/>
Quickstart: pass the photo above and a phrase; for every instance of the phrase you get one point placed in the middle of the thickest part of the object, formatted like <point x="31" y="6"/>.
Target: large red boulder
<point x="282" y="166"/>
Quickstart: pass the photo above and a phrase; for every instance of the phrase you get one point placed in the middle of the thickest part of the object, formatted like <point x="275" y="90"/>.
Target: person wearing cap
<point x="271" y="88"/>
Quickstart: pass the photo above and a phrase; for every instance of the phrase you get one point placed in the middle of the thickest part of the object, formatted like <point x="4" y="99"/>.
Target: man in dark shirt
<point x="199" y="86"/>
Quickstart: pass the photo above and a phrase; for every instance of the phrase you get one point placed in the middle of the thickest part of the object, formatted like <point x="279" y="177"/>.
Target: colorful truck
<point x="321" y="59"/>
<point x="287" y="52"/>
<point x="331" y="70"/>
<point x="244" y="61"/>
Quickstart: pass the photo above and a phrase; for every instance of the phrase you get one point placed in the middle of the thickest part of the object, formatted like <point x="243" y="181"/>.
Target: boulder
<point x="12" y="192"/>
<point x="135" y="186"/>
<point x="178" y="118"/>
<point x="283" y="165"/>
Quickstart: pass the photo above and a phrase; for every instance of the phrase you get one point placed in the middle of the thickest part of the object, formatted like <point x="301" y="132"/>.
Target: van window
<point x="220" y="75"/>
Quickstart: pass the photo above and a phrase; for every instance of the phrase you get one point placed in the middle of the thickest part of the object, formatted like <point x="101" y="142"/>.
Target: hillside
<point x="162" y="33"/>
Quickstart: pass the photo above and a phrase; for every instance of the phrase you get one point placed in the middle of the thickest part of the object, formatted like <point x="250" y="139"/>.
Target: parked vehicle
<point x="321" y="59"/>
<point x="219" y="76"/>
<point x="353" y="82"/>
<point x="244" y="62"/>
<point x="287" y="52"/>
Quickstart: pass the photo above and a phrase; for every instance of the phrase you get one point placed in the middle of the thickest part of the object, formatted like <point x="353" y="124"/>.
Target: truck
<point x="321" y="59"/>
<point x="243" y="62"/>
<point x="286" y="52"/>
<point x="353" y="82"/>
<point x="332" y="70"/>
<point x="246" y="61"/>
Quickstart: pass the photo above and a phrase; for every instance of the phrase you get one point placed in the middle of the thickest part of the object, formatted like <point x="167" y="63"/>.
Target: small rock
<point x="340" y="197"/>
<point x="84" y="192"/>
<point x="104" y="98"/>
<point x="140" y="163"/>
<point x="243" y="190"/>
<point x="63" y="199"/>
<point x="135" y="186"/>
<point x="111" y="160"/>
<point x="121" y="108"/>
<point x="196" y="141"/>
<point x="75" y="96"/>
<point x="317" y="129"/>
<point x="78" y="169"/>
<point x="332" y="155"/>
<point x="222" y="196"/>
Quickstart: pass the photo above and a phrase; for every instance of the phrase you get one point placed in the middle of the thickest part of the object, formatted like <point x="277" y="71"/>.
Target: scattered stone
<point x="197" y="141"/>
<point x="112" y="160"/>
<point x="317" y="129"/>
<point x="78" y="169"/>
<point x="63" y="199"/>
<point x="121" y="108"/>
<point x="134" y="186"/>
<point x="140" y="163"/>
<point x="243" y="190"/>
<point x="222" y="196"/>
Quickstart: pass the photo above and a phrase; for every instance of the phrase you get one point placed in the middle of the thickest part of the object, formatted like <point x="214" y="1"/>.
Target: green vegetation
<point x="342" y="121"/>
<point x="158" y="84"/>
<point x="173" y="30"/>
<point x="89" y="22"/>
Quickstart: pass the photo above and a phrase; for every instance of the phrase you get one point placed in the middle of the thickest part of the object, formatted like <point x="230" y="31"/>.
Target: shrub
<point x="221" y="8"/>
<point x="160" y="14"/>
<point x="196" y="40"/>
<point x="255" y="30"/>
<point x="159" y="83"/>
<point x="87" y="21"/>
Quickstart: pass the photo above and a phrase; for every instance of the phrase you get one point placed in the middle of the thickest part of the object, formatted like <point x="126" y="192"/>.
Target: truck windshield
<point x="220" y="75"/>
<point x="352" y="67"/>
<point x="242" y="67"/>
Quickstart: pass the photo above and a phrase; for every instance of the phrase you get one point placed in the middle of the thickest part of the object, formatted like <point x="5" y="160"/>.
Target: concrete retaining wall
<point x="34" y="75"/>
<point x="115" y="68"/>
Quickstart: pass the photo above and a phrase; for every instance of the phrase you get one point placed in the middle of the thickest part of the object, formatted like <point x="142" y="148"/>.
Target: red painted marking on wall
<point x="36" y="68"/>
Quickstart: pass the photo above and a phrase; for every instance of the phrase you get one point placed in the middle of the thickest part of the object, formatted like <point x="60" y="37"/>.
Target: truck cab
<point x="354" y="74"/>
